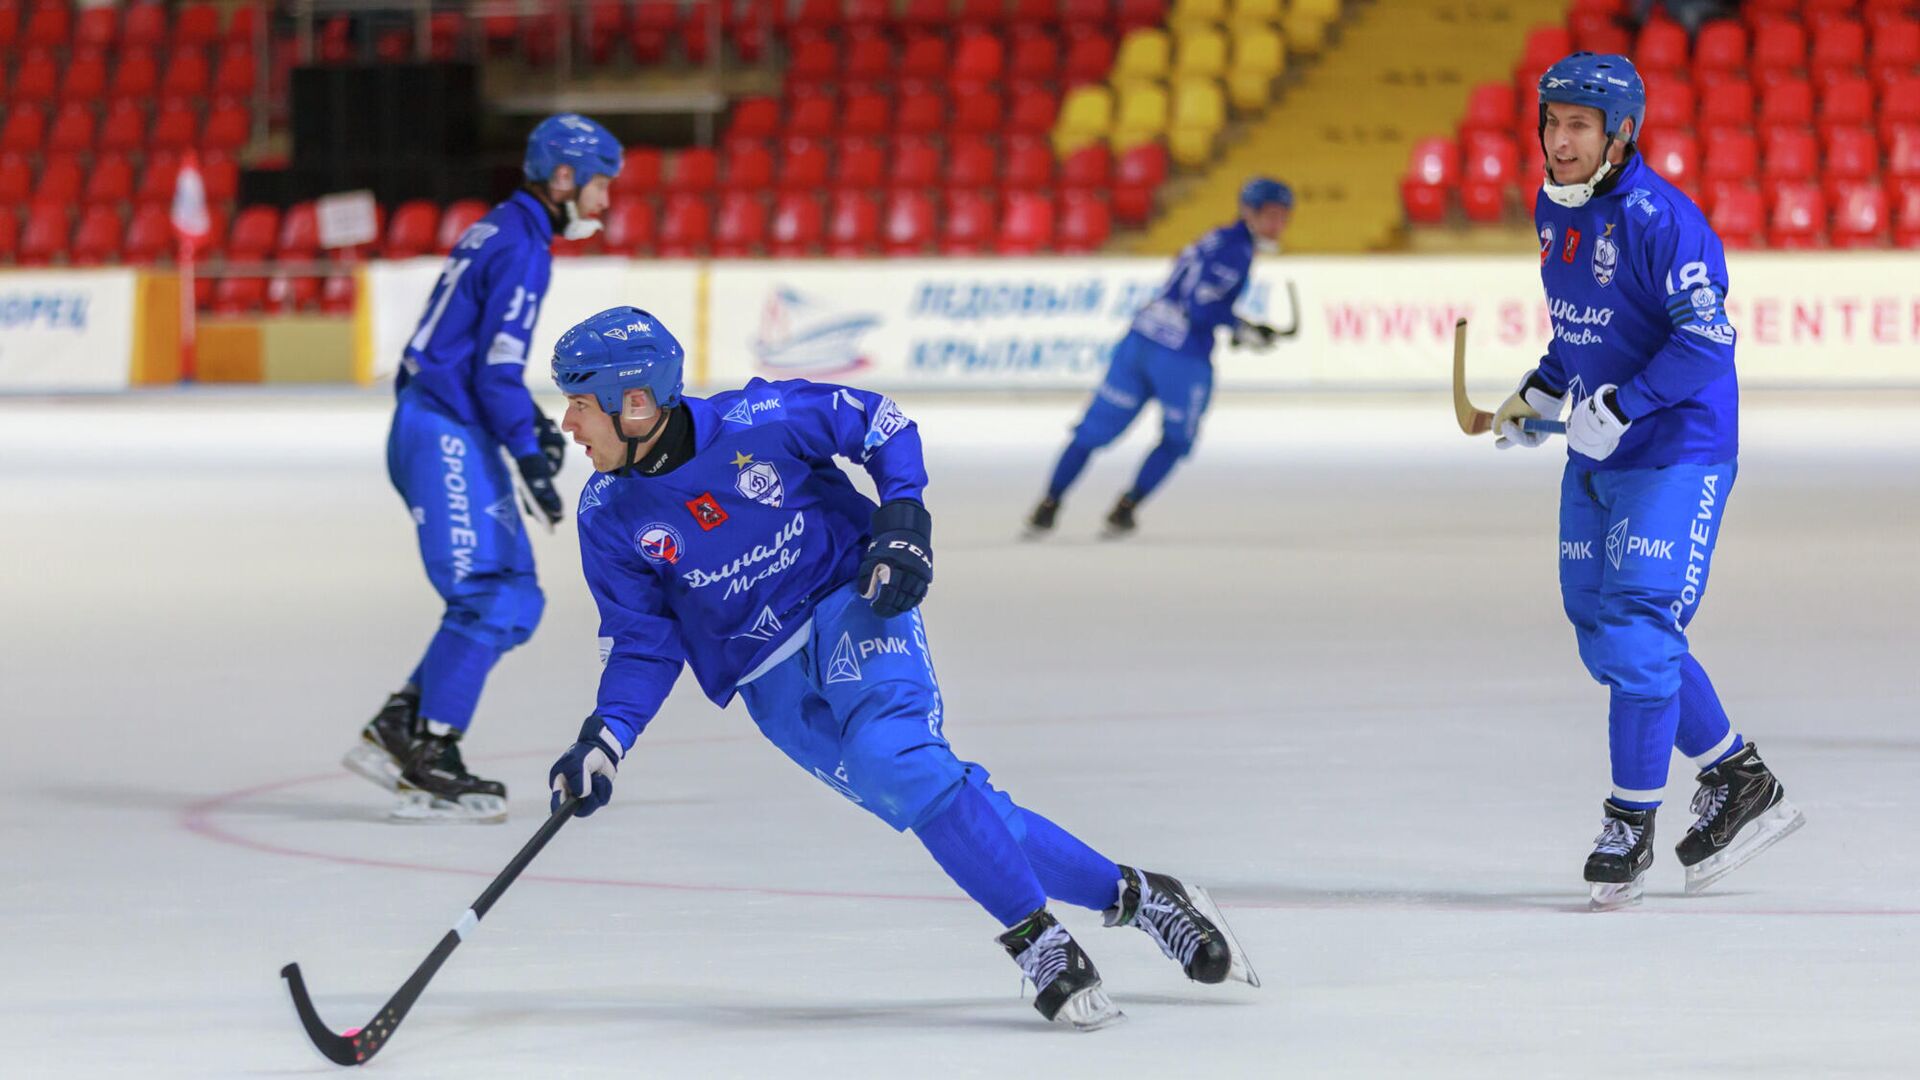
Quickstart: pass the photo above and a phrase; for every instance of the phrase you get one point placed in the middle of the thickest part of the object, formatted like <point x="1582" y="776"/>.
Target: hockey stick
<point x="1293" y="306"/>
<point x="358" y="1045"/>
<point x="1475" y="421"/>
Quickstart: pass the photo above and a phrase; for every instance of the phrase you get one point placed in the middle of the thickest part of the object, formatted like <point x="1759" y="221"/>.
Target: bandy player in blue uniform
<point x="461" y="398"/>
<point x="1167" y="354"/>
<point x="720" y="534"/>
<point x="1636" y="286"/>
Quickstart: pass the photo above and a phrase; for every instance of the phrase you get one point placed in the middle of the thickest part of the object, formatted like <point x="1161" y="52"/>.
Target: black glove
<point x="898" y="565"/>
<point x="552" y="443"/>
<point x="1252" y="334"/>
<point x="537" y="471"/>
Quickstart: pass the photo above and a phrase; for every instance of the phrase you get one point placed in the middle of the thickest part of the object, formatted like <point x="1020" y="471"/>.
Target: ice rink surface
<point x="1329" y="678"/>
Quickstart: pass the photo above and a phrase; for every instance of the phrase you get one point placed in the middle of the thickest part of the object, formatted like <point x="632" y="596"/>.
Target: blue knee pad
<point x="1107" y="418"/>
<point x="500" y="610"/>
<point x="1635" y="651"/>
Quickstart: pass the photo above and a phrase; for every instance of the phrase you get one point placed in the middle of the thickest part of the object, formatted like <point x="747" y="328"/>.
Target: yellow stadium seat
<point x="1142" y="55"/>
<point x="1246" y="12"/>
<point x="1306" y="31"/>
<point x="1328" y="10"/>
<point x="1198" y="103"/>
<point x="1141" y="115"/>
<point x="1259" y="56"/>
<point x="1189" y="12"/>
<point x="1201" y="51"/>
<point x="1085" y="117"/>
<point x="1192" y="147"/>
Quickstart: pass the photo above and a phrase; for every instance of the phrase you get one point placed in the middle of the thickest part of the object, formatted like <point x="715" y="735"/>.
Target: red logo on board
<point x="1573" y="245"/>
<point x="706" y="510"/>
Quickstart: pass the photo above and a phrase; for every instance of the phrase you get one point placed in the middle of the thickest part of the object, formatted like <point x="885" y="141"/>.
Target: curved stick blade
<point x="339" y="1049"/>
<point x="1472" y="421"/>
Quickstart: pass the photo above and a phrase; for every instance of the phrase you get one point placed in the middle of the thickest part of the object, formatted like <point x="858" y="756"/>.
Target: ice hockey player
<point x="1636" y="286"/>
<point x="462" y="397"/>
<point x="1167" y="354"/>
<point x="719" y="533"/>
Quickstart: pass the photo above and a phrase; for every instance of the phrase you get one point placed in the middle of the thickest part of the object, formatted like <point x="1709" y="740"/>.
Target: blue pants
<point x="1138" y="372"/>
<point x="1635" y="549"/>
<point x="859" y="707"/>
<point x="475" y="550"/>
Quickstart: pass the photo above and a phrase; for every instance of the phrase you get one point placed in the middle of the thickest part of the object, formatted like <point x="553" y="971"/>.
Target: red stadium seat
<point x="220" y="175"/>
<point x="1027" y="164"/>
<point x="49" y="26"/>
<point x="411" y="231"/>
<point x="924" y="13"/>
<point x="686" y="228"/>
<point x="1138" y="173"/>
<point x="109" y="181"/>
<point x="72" y="130"/>
<point x="1035" y="58"/>
<point x="1839" y="49"/>
<point x="136" y="75"/>
<point x="1433" y="171"/>
<point x="1546" y="46"/>
<point x="97" y="27"/>
<point x="694" y="171"/>
<point x="742" y="226"/>
<point x="1727" y="104"/>
<point x="1720" y="46"/>
<point x="1786" y="103"/>
<point x="1595" y="31"/>
<point x="239" y="295"/>
<point x="1088" y="60"/>
<point x="640" y="172"/>
<point x="1737" y="214"/>
<point x="853" y="225"/>
<point x="290" y="294"/>
<point x="1797" y="217"/>
<point x="977" y="112"/>
<point x="909" y="223"/>
<point x="924" y="58"/>
<point x="1895" y="51"/>
<point x="253" y="234"/>
<point x="1084" y="223"/>
<point x="1675" y="155"/>
<point x="1791" y="154"/>
<point x="1089" y="168"/>
<point x="860" y="164"/>
<point x="803" y="165"/>
<point x="1671" y="106"/>
<point x="864" y="17"/>
<point x="868" y="59"/>
<point x="812" y="116"/>
<point x="1906" y="219"/>
<point x="196" y="24"/>
<point x="1085" y="16"/>
<point x="336" y="294"/>
<point x="459" y="217"/>
<point x="174" y="127"/>
<point x="1851" y="156"/>
<point x="125" y="128"/>
<point x="38" y="79"/>
<point x="1034" y="111"/>
<point x="755" y="118"/>
<point x="1491" y="165"/>
<point x="16" y="179"/>
<point x="969" y="227"/>
<point x="229" y="127"/>
<point x="797" y="225"/>
<point x="187" y="74"/>
<point x="978" y="61"/>
<point x="1903" y="152"/>
<point x="1026" y="228"/>
<point x="1662" y="45"/>
<point x="60" y="181"/>
<point x="749" y="168"/>
<point x="652" y="28"/>
<point x="145" y="26"/>
<point x="1899" y="105"/>
<point x="234" y="77"/>
<point x="981" y="13"/>
<point x="1138" y="14"/>
<point x="9" y="225"/>
<point x="86" y="77"/>
<point x="1027" y="14"/>
<point x="604" y="23"/>
<point x="299" y="233"/>
<point x="1846" y="101"/>
<point x="1732" y="154"/>
<point x="97" y="239"/>
<point x="1489" y="107"/>
<point x="812" y="61"/>
<point x="24" y="130"/>
<point x="916" y="163"/>
<point x="920" y="112"/>
<point x="631" y="228"/>
<point x="1861" y="216"/>
<point x="865" y="114"/>
<point x="43" y="238"/>
<point x="972" y="162"/>
<point x="158" y="173"/>
<point x="1779" y="50"/>
<point x="149" y="236"/>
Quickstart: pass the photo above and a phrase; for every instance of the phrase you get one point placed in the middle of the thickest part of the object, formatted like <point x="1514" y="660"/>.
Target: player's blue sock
<point x="1072" y="460"/>
<point x="1705" y="734"/>
<point x="973" y="845"/>
<point x="1153" y="470"/>
<point x="1067" y="868"/>
<point x="1640" y="735"/>
<point x="451" y="677"/>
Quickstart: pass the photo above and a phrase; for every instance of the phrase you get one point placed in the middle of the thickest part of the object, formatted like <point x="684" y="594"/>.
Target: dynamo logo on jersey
<point x="802" y="336"/>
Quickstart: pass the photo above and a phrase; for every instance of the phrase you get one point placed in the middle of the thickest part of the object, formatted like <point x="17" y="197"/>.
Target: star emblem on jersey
<point x="760" y="482"/>
<point x="740" y="414"/>
<point x="843" y="666"/>
<point x="659" y="542"/>
<point x="1617" y="543"/>
<point x="503" y="511"/>
<point x="742" y="459"/>
<point x="1606" y="256"/>
<point x="706" y="510"/>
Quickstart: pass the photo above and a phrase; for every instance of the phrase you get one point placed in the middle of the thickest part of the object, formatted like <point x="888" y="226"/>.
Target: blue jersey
<point x="469" y="353"/>
<point x="717" y="564"/>
<point x="1199" y="295"/>
<point x="1637" y="292"/>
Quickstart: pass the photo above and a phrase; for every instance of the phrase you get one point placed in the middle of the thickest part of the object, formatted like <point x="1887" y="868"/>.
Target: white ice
<point x="1329" y="678"/>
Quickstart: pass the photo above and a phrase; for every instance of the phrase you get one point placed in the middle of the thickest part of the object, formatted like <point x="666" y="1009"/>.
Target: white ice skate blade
<point x="369" y="761"/>
<point x="1090" y="1010"/>
<point x="1755" y="837"/>
<point x="420" y="808"/>
<point x="1237" y="966"/>
<point x="1614" y="895"/>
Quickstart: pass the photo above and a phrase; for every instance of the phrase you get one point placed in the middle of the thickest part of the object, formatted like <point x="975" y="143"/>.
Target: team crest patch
<point x="659" y="542"/>
<point x="760" y="481"/>
<point x="1572" y="247"/>
<point x="1546" y="243"/>
<point x="1606" y="257"/>
<point x="706" y="510"/>
<point x="1705" y="303"/>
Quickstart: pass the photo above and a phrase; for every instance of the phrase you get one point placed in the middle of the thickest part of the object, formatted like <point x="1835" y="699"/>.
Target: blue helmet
<point x="1264" y="191"/>
<point x="1605" y="81"/>
<point x="618" y="350"/>
<point x="571" y="139"/>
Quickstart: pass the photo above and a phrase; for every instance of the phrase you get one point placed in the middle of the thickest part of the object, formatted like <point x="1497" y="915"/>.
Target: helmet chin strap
<point x="1575" y="196"/>
<point x="577" y="227"/>
<point x="634" y="441"/>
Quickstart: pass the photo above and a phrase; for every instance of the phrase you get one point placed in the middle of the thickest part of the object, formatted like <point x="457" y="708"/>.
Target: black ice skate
<point x="382" y="750"/>
<point x="1743" y="812"/>
<point x="1040" y="522"/>
<point x="436" y="786"/>
<point x="1621" y="854"/>
<point x="1066" y="986"/>
<point x="1184" y="921"/>
<point x="1120" y="522"/>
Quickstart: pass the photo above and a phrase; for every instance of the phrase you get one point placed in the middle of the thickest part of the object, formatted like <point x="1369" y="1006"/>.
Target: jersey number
<point x="449" y="278"/>
<point x="1692" y="276"/>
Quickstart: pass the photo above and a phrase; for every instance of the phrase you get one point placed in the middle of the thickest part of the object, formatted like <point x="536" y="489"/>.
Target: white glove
<point x="1531" y="400"/>
<point x="1597" y="424"/>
